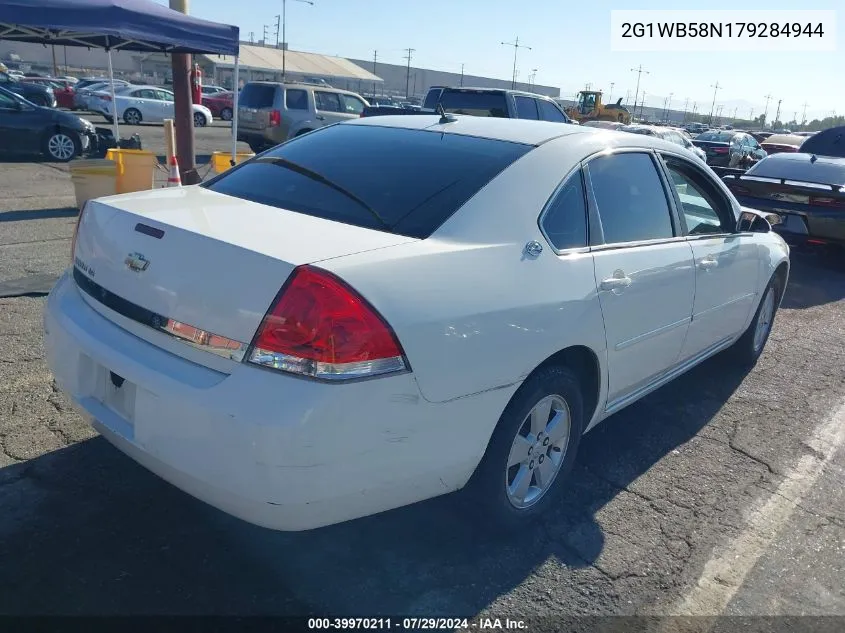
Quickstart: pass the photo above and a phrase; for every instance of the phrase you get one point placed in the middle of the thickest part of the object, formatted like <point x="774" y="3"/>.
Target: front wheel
<point x="226" y="114"/>
<point x="750" y="345"/>
<point x="200" y="120"/>
<point x="62" y="146"/>
<point x="132" y="116"/>
<point x="531" y="451"/>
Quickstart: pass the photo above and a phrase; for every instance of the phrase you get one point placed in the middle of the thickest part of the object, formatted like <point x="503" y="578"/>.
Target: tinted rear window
<point x="825" y="171"/>
<point x="257" y="96"/>
<point x="475" y="103"/>
<point x="829" y="142"/>
<point x="413" y="179"/>
<point x="721" y="137"/>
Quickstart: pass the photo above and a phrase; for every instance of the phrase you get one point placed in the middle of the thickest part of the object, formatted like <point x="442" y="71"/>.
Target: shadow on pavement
<point x="39" y="214"/>
<point x="817" y="277"/>
<point x="84" y="530"/>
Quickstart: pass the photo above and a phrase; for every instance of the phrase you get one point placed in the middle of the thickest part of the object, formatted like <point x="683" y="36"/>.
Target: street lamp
<point x="284" y="39"/>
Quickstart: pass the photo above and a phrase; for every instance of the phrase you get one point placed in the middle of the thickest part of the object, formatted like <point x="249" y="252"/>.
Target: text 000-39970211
<point x="723" y="31"/>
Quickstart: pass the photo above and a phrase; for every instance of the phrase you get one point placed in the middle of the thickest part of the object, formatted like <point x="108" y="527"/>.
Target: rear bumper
<point x="810" y="223"/>
<point x="259" y="138"/>
<point x="276" y="451"/>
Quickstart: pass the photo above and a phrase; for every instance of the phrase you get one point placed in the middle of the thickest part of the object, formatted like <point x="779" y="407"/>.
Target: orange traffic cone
<point x="174" y="179"/>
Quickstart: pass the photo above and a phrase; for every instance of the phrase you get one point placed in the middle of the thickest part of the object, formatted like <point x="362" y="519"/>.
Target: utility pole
<point x="462" y="74"/>
<point x="610" y="98"/>
<point x="642" y="105"/>
<point x="777" y="115"/>
<point x="252" y="37"/>
<point x="264" y="36"/>
<point x="639" y="70"/>
<point x="278" y="23"/>
<point x="715" y="90"/>
<point x="408" y="73"/>
<point x="734" y="116"/>
<point x="766" y="111"/>
<point x="686" y="103"/>
<point x="55" y="65"/>
<point x="183" y="115"/>
<point x="516" y="46"/>
<point x="375" y="59"/>
<point x="663" y="114"/>
<point x="804" y="115"/>
<point x="669" y="106"/>
<point x="284" y="36"/>
<point x="627" y="98"/>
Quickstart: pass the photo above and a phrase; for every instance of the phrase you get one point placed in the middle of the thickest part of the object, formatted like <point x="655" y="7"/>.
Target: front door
<point x="726" y="262"/>
<point x="20" y="125"/>
<point x="643" y="268"/>
<point x="329" y="108"/>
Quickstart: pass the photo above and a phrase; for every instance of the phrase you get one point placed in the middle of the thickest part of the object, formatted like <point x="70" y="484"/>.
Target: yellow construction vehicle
<point x="590" y="108"/>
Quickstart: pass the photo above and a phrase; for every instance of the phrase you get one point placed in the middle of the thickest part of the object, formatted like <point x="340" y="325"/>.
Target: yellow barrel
<point x="135" y="169"/>
<point x="221" y="161"/>
<point x="93" y="178"/>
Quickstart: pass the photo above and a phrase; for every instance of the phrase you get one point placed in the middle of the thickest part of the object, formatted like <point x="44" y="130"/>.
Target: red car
<point x="62" y="88"/>
<point x="220" y="104"/>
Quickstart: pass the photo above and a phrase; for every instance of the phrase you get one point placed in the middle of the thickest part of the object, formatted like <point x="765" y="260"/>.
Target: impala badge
<point x="137" y="262"/>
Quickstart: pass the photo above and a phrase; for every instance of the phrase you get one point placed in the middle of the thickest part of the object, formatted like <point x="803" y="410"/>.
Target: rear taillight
<point x="830" y="203"/>
<point x="76" y="232"/>
<point x="720" y="150"/>
<point x="275" y="118"/>
<point x="320" y="327"/>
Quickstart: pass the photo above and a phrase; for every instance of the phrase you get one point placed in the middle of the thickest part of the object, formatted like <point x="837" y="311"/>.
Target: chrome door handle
<point x="708" y="262"/>
<point x="615" y="283"/>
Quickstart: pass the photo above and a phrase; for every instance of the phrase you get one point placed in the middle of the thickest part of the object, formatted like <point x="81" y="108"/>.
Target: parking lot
<point x="720" y="493"/>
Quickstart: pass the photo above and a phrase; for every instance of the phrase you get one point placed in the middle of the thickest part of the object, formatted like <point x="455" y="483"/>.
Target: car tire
<point x="226" y="114"/>
<point x="301" y="132"/>
<point x="516" y="452"/>
<point x="133" y="116"/>
<point x="109" y="119"/>
<point x="749" y="347"/>
<point x="200" y="120"/>
<point x="61" y="145"/>
<point x="256" y="148"/>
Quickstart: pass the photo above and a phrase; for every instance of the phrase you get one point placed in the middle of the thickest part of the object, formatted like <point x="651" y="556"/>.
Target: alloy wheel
<point x="61" y="147"/>
<point x="764" y="320"/>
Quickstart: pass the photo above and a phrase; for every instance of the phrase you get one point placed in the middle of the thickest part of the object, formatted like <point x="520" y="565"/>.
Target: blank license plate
<point x="120" y="399"/>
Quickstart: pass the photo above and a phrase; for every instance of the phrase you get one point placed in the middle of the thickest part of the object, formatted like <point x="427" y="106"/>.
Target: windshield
<point x="414" y="181"/>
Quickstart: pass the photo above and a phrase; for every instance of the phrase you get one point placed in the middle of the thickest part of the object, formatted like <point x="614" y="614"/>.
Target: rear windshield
<point x="720" y="137"/>
<point x="414" y="180"/>
<point x="475" y="103"/>
<point x="825" y="171"/>
<point x="257" y="96"/>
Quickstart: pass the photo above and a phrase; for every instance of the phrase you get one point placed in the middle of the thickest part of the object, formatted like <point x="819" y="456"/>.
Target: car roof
<point x="302" y="85"/>
<point x="501" y="90"/>
<point x="524" y="131"/>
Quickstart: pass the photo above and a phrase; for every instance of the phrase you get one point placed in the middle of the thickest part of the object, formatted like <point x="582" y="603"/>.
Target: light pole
<point x="462" y="75"/>
<point x="516" y="46"/>
<point x="284" y="38"/>
<point x="766" y="111"/>
<point x="669" y="106"/>
<point x="610" y="98"/>
<point x="686" y="104"/>
<point x="639" y="70"/>
<point x="715" y="90"/>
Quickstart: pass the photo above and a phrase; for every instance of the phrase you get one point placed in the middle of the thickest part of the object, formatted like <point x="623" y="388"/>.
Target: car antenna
<point x="445" y="118"/>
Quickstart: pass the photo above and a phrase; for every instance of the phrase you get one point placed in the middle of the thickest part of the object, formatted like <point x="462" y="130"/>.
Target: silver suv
<point x="270" y="113"/>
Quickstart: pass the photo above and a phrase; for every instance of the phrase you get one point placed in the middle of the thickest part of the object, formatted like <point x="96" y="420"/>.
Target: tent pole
<point x="235" y="112"/>
<point x="113" y="102"/>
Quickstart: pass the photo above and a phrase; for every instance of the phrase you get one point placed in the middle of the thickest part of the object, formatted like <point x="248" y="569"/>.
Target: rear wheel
<point x="226" y="114"/>
<point x="531" y="451"/>
<point x="132" y="116"/>
<point x="61" y="146"/>
<point x="200" y="120"/>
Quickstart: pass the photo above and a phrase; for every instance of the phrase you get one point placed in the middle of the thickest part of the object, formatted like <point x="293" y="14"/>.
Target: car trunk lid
<point x="209" y="263"/>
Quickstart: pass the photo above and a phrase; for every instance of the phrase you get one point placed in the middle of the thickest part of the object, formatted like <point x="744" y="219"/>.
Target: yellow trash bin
<point x="135" y="169"/>
<point x="93" y="178"/>
<point x="221" y="161"/>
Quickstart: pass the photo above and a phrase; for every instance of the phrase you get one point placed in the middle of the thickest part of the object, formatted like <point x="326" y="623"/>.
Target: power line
<point x="516" y="46"/>
<point x="639" y="70"/>
<point x="408" y="74"/>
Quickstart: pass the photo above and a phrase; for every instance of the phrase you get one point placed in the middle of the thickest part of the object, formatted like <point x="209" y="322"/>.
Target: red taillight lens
<point x="275" y="118"/>
<point x="720" y="150"/>
<point x="321" y="327"/>
<point x="76" y="232"/>
<point x="830" y="203"/>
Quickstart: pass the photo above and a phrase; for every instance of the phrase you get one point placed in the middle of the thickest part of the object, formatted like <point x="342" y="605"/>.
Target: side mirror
<point x="757" y="222"/>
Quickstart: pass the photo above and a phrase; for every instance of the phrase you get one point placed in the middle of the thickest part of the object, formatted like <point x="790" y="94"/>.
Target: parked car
<point x="270" y="113"/>
<point x="387" y="317"/>
<point x="210" y="90"/>
<point x="669" y="134"/>
<point x="761" y="136"/>
<point x="805" y="134"/>
<point x="726" y="148"/>
<point x="829" y="142"/>
<point x="778" y="143"/>
<point x="220" y="104"/>
<point x="28" y="128"/>
<point x="83" y="97"/>
<point x="495" y="102"/>
<point x="34" y="93"/>
<point x="62" y="90"/>
<point x="144" y="104"/>
<point x="806" y="190"/>
<point x="15" y="73"/>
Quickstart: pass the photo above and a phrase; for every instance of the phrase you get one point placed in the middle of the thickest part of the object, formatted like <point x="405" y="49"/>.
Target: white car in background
<point x="82" y="98"/>
<point x="666" y="133"/>
<point x="145" y="104"/>
<point x="300" y="342"/>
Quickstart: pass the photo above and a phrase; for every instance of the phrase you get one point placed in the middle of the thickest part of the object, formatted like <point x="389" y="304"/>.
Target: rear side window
<point x="328" y="101"/>
<point x="490" y="104"/>
<point x="415" y="179"/>
<point x="565" y="219"/>
<point x="296" y="100"/>
<point x="257" y="96"/>
<point x="549" y="112"/>
<point x="432" y="98"/>
<point x="526" y="108"/>
<point x="630" y="198"/>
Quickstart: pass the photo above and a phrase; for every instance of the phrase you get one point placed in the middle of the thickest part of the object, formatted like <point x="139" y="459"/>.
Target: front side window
<point x="549" y="112"/>
<point x="352" y="105"/>
<point x="526" y="108"/>
<point x="565" y="219"/>
<point x="698" y="206"/>
<point x="327" y="101"/>
<point x="630" y="198"/>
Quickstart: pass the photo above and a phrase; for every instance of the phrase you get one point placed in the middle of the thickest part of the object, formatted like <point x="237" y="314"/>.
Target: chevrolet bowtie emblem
<point x="137" y="262"/>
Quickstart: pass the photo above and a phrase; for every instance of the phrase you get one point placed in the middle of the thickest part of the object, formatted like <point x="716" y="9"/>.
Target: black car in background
<point x="32" y="92"/>
<point x="806" y="190"/>
<point x="729" y="148"/>
<point x="829" y="142"/>
<point x="26" y="128"/>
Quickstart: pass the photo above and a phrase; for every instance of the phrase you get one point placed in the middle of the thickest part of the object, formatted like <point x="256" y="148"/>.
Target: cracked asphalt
<point x="659" y="491"/>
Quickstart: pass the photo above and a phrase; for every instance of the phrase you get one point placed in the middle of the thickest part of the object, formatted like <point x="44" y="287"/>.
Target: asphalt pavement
<point x="721" y="493"/>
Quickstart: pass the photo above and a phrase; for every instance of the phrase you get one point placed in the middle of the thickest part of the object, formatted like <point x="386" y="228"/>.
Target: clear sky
<point x="570" y="46"/>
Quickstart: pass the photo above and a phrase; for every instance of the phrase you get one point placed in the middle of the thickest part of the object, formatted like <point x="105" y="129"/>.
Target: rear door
<point x="526" y="108"/>
<point x="329" y="108"/>
<point x="550" y="112"/>
<point x="164" y="105"/>
<point x="643" y="268"/>
<point x="255" y="103"/>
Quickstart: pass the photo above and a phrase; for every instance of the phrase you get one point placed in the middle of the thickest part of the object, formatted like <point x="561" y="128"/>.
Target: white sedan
<point x="144" y="104"/>
<point x="336" y="328"/>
